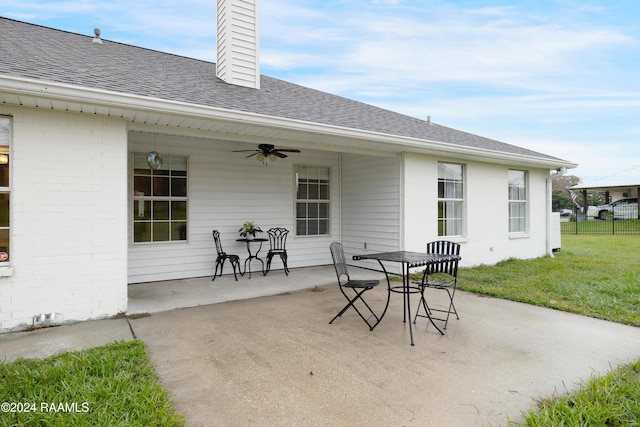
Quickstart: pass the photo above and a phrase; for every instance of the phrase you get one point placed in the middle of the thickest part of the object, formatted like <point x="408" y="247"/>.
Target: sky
<point x="560" y="77"/>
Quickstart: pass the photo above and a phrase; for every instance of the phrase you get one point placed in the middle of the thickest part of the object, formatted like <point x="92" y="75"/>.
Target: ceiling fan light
<point x="260" y="157"/>
<point x="272" y="157"/>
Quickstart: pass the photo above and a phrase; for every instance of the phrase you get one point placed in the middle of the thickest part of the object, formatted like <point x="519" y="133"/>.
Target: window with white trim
<point x="313" y="189"/>
<point x="517" y="201"/>
<point x="5" y="190"/>
<point x="159" y="200"/>
<point x="450" y="199"/>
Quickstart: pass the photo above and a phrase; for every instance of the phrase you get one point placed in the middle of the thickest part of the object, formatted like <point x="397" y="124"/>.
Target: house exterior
<point x="614" y="188"/>
<point x="85" y="211"/>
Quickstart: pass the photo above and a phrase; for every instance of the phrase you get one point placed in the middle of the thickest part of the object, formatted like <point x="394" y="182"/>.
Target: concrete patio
<point x="275" y="360"/>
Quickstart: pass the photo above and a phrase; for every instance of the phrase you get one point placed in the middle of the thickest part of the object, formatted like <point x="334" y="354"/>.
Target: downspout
<point x="553" y="174"/>
<point x="549" y="210"/>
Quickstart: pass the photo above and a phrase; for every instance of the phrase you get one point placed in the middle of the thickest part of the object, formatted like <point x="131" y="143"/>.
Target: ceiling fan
<point x="267" y="152"/>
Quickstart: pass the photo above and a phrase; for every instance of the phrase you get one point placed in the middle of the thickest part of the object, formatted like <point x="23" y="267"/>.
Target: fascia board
<point x="49" y="91"/>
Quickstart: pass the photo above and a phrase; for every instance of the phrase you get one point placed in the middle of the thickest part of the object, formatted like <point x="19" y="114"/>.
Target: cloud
<point x="555" y="77"/>
<point x="499" y="46"/>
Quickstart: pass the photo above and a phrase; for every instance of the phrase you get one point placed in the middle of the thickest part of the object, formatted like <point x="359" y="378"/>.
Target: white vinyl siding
<point x="225" y="190"/>
<point x="371" y="201"/>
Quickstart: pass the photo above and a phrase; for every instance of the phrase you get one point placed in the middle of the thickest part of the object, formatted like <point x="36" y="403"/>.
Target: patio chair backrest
<point x="216" y="238"/>
<point x="339" y="262"/>
<point x="447" y="248"/>
<point x="277" y="238"/>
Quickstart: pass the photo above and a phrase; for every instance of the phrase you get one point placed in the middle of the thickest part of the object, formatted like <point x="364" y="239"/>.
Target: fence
<point x="579" y="223"/>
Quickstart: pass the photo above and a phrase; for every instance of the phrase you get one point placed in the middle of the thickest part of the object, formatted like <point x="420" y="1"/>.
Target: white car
<point x="621" y="209"/>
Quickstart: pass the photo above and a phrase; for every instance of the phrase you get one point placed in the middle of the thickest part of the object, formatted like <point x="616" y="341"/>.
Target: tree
<point x="564" y="181"/>
<point x="560" y="200"/>
<point x="559" y="196"/>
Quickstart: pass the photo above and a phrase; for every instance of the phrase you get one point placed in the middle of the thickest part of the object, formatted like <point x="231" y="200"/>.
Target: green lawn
<point x="596" y="226"/>
<point x="608" y="400"/>
<point x="597" y="276"/>
<point x="114" y="385"/>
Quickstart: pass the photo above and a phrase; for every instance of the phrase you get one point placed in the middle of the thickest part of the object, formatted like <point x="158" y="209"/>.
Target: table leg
<point x="407" y="294"/>
<point x="251" y="256"/>
<point x="388" y="294"/>
<point x="405" y="297"/>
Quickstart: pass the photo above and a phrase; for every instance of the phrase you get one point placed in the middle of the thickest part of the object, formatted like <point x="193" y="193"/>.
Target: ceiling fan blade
<point x="279" y="154"/>
<point x="241" y="151"/>
<point x="251" y="155"/>
<point x="287" y="150"/>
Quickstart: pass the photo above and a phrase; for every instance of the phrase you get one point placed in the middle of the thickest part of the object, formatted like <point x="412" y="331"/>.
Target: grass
<point x="609" y="400"/>
<point x="595" y="276"/>
<point x="113" y="385"/>
<point x="596" y="226"/>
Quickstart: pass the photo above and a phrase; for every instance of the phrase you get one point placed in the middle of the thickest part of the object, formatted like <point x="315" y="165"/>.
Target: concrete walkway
<point x="276" y="360"/>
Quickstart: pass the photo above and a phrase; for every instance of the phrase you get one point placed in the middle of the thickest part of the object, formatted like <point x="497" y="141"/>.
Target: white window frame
<point x="6" y="135"/>
<point x="141" y="203"/>
<point x="317" y="203"/>
<point x="451" y="199"/>
<point x="518" y="195"/>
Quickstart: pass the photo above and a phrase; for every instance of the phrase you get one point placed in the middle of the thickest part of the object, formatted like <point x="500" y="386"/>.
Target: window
<point x="312" y="201"/>
<point x="159" y="205"/>
<point x="5" y="189"/>
<point x="517" y="201"/>
<point x="450" y="199"/>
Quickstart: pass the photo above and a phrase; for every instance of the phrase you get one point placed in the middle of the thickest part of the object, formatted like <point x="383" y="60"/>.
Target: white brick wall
<point x="487" y="239"/>
<point x="69" y="217"/>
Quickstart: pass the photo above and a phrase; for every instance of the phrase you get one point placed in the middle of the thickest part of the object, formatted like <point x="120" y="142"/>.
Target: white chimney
<point x="238" y="42"/>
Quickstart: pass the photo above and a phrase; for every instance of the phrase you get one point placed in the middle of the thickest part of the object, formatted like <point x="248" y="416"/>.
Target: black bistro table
<point x="253" y="255"/>
<point x="407" y="260"/>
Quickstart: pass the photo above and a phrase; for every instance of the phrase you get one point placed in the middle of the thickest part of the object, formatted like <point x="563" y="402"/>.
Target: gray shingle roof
<point x="41" y="53"/>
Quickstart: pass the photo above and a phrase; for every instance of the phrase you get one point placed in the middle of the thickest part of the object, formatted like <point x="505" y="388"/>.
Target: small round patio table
<point x="252" y="256"/>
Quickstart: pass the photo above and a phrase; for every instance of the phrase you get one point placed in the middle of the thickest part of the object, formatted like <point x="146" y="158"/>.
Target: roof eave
<point x="144" y="110"/>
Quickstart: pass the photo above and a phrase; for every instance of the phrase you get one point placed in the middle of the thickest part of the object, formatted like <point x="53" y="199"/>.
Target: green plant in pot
<point x="249" y="230"/>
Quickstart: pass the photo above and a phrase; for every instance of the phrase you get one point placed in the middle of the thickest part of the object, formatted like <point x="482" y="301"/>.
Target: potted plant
<point x="249" y="230"/>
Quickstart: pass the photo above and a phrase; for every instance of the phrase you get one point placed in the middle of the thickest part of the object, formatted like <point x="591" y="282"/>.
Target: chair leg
<point x="452" y="308"/>
<point x="220" y="263"/>
<point x="358" y="296"/>
<point x="283" y="257"/>
<point x="215" y="271"/>
<point x="451" y="294"/>
<point x="422" y="303"/>
<point x="269" y="258"/>
<point x="427" y="312"/>
<point x="234" y="265"/>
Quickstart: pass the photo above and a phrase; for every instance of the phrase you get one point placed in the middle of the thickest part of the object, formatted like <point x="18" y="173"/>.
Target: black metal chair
<point x="358" y="287"/>
<point x="223" y="256"/>
<point x="277" y="246"/>
<point x="442" y="276"/>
